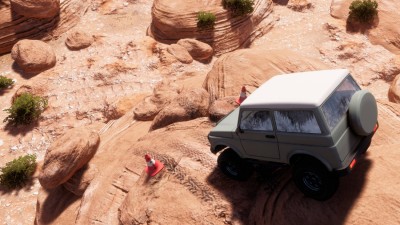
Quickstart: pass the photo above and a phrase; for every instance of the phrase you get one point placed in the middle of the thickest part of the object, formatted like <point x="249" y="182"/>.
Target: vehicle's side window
<point x="338" y="103"/>
<point x="256" y="121"/>
<point x="299" y="121"/>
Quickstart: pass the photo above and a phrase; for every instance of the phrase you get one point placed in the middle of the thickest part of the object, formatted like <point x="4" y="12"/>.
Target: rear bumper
<point x="360" y="150"/>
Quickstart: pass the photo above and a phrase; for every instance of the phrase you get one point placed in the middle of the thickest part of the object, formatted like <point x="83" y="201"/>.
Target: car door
<point x="257" y="134"/>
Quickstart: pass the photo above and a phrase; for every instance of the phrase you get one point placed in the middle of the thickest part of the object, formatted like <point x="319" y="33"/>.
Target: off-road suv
<point x="318" y="122"/>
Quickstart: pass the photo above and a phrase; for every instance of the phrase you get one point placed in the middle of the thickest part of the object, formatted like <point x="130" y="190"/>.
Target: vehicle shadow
<point x="271" y="197"/>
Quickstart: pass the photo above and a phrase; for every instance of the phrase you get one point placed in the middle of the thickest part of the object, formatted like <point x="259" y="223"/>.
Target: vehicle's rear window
<point x="338" y="103"/>
<point x="297" y="121"/>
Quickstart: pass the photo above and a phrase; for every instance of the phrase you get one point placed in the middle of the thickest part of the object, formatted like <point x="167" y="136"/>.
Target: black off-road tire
<point x="233" y="166"/>
<point x="314" y="180"/>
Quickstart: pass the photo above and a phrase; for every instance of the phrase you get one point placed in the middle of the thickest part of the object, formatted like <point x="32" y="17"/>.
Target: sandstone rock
<point x="252" y="67"/>
<point x="394" y="90"/>
<point x="221" y="107"/>
<point x="56" y="206"/>
<point x="78" y="183"/>
<point x="163" y="93"/>
<point x="36" y="8"/>
<point x="18" y="27"/>
<point x="67" y="154"/>
<point x="197" y="49"/>
<point x="178" y="20"/>
<point x="122" y="106"/>
<point x="34" y="90"/>
<point x="180" y="53"/>
<point x="33" y="56"/>
<point x="383" y="31"/>
<point x="78" y="40"/>
<point x="189" y="104"/>
<point x="299" y="5"/>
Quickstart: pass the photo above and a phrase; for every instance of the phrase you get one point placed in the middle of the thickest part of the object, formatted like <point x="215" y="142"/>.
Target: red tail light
<point x="353" y="163"/>
<point x="376" y="127"/>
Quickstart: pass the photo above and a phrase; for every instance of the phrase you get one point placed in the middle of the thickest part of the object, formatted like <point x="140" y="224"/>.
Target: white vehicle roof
<point x="296" y="90"/>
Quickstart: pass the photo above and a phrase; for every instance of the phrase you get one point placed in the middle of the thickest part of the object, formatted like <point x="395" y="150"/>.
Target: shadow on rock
<point x="353" y="26"/>
<point x="281" y="2"/>
<point x="242" y="194"/>
<point x="285" y="204"/>
<point x="15" y="130"/>
<point x="52" y="203"/>
<point x="271" y="197"/>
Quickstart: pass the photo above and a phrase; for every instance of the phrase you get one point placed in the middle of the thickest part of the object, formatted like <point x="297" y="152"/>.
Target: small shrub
<point x="205" y="19"/>
<point x="363" y="11"/>
<point x="5" y="82"/>
<point x="239" y="7"/>
<point x="17" y="172"/>
<point x="25" y="109"/>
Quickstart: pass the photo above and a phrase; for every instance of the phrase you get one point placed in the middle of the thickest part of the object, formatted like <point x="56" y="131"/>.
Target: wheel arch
<point x="296" y="157"/>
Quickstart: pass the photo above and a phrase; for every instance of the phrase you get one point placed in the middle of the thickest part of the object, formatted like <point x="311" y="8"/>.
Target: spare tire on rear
<point x="363" y="113"/>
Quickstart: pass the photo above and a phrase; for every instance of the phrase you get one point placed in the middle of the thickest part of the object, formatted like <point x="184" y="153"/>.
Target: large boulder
<point x="36" y="8"/>
<point x="16" y="27"/>
<point x="197" y="49"/>
<point x="180" y="53"/>
<point x="33" y="56"/>
<point x="385" y="32"/>
<point x="68" y="154"/>
<point x="78" y="183"/>
<point x="189" y="104"/>
<point x="251" y="68"/>
<point x="394" y="90"/>
<point x="150" y="106"/>
<point x="221" y="107"/>
<point x="77" y="40"/>
<point x="175" y="20"/>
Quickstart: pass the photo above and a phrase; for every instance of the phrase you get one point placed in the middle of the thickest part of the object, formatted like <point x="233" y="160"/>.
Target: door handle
<point x="270" y="136"/>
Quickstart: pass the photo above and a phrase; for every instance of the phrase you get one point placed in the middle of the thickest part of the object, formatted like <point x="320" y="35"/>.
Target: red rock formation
<point x="175" y="20"/>
<point x="14" y="27"/>
<point x="36" y="8"/>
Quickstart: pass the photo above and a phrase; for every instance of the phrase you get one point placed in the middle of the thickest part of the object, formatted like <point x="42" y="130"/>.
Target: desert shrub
<point x="363" y="11"/>
<point x="17" y="172"/>
<point x="25" y="109"/>
<point x="205" y="19"/>
<point x="239" y="7"/>
<point x="5" y="82"/>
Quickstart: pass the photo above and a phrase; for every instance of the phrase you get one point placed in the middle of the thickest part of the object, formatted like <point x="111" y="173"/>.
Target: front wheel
<point x="233" y="166"/>
<point x="314" y="180"/>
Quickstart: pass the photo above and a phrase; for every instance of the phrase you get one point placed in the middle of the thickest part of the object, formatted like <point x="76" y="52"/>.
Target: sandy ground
<point x="78" y="97"/>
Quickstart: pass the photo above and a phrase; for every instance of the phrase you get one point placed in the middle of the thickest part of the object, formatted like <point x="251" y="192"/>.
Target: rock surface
<point x="178" y="20"/>
<point x="36" y="8"/>
<point x="33" y="56"/>
<point x="221" y="107"/>
<point x="384" y="32"/>
<point x="394" y="90"/>
<point x="180" y="53"/>
<point x="15" y="27"/>
<point x="78" y="183"/>
<point x="197" y="49"/>
<point x="77" y="40"/>
<point x="150" y="106"/>
<point x="251" y="68"/>
<point x="188" y="105"/>
<point x="68" y="154"/>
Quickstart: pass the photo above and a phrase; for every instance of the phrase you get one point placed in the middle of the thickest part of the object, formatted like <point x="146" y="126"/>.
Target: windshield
<point x="338" y="103"/>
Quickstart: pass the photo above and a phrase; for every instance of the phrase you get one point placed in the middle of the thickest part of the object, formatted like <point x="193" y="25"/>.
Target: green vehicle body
<point x="334" y="144"/>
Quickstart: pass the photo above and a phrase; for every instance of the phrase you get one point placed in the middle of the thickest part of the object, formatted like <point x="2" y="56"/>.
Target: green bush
<point x="205" y="19"/>
<point x="25" y="109"/>
<point x="239" y="7"/>
<point x="17" y="172"/>
<point x="5" y="82"/>
<point x="363" y="11"/>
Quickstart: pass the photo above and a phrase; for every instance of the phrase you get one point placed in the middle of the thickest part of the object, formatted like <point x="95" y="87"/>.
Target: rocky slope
<point x="124" y="83"/>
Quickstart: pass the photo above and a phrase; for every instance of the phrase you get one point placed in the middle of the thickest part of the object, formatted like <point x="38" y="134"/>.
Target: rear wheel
<point x="314" y="180"/>
<point x="233" y="166"/>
